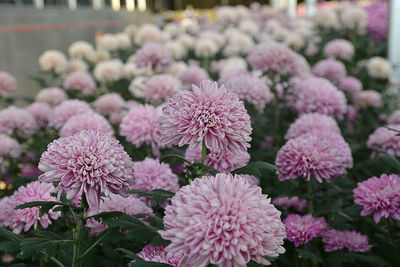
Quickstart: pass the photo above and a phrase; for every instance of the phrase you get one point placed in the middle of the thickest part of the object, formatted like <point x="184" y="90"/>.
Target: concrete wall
<point x="20" y="47"/>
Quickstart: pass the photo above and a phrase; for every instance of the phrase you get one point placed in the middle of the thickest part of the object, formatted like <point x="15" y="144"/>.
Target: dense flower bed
<point x="248" y="141"/>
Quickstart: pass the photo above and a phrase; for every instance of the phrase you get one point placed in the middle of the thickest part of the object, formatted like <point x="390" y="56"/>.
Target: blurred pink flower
<point x="85" y="121"/>
<point x="385" y="139"/>
<point x="330" y="69"/>
<point x="41" y="112"/>
<point x="291" y="203"/>
<point x="302" y="229"/>
<point x="8" y="83"/>
<point x="18" y="120"/>
<point x="350" y="240"/>
<point x="311" y="121"/>
<point x="80" y="81"/>
<point x="66" y="110"/>
<point x="154" y="55"/>
<point x="52" y="96"/>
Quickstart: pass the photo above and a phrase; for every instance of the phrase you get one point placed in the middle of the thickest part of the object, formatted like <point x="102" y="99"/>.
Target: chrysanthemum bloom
<point x="250" y="88"/>
<point x="154" y="55"/>
<point x="66" y="110"/>
<point x="272" y="57"/>
<point x="395" y="117"/>
<point x="130" y="71"/>
<point x="123" y="41"/>
<point x="186" y="40"/>
<point x="314" y="94"/>
<point x="367" y="98"/>
<point x="380" y="196"/>
<point x="128" y="205"/>
<point x="205" y="48"/>
<point x="208" y="114"/>
<point x="350" y="84"/>
<point x="147" y="33"/>
<point x="239" y="44"/>
<point x="311" y="155"/>
<point x="302" y="229"/>
<point x="340" y="49"/>
<point x="109" y="103"/>
<point x="74" y="65"/>
<point x="228" y="65"/>
<point x="151" y="174"/>
<point x="330" y="69"/>
<point x="378" y="67"/>
<point x="385" y="139"/>
<point x="13" y="119"/>
<point x="99" y="55"/>
<point x="107" y="41"/>
<point x="351" y="240"/>
<point x="52" y="60"/>
<point x="291" y="203"/>
<point x="24" y="219"/>
<point x="177" y="68"/>
<point x="80" y="50"/>
<point x="251" y="179"/>
<point x="311" y="121"/>
<point x="85" y="121"/>
<point x="378" y="19"/>
<point x="295" y="41"/>
<point x="80" y="81"/>
<point x="193" y="76"/>
<point x="159" y="254"/>
<point x="9" y="147"/>
<point x="223" y="220"/>
<point x="41" y="112"/>
<point x="30" y="170"/>
<point x="223" y="161"/>
<point x="5" y="211"/>
<point x="8" y="83"/>
<point x="142" y="126"/>
<point x="161" y="87"/>
<point x="177" y="49"/>
<point x="108" y="71"/>
<point x="131" y="30"/>
<point x="91" y="161"/>
<point x="354" y="18"/>
<point x="52" y="96"/>
<point x="326" y="18"/>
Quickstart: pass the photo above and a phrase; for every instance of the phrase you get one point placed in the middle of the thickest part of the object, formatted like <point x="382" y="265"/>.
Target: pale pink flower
<point x="9" y="147"/>
<point x="380" y="196"/>
<point x="340" y="49"/>
<point x="193" y="75"/>
<point x="385" y="139"/>
<point x="208" y="114"/>
<point x="330" y="69"/>
<point x="41" y="112"/>
<point x="23" y="219"/>
<point x="350" y="84"/>
<point x="66" y="110"/>
<point x="302" y="229"/>
<point x="161" y="87"/>
<point x="350" y="240"/>
<point x="367" y="98"/>
<point x="311" y="121"/>
<point x="91" y="161"/>
<point x="291" y="203"/>
<point x="8" y="83"/>
<point x="52" y="96"/>
<point x="159" y="254"/>
<point x="85" y="121"/>
<point x="223" y="220"/>
<point x="80" y="81"/>
<point x="18" y="120"/>
<point x="154" y="55"/>
<point x="109" y="103"/>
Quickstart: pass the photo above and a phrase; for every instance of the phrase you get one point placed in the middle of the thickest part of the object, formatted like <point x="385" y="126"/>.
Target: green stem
<point x="59" y="264"/>
<point x="310" y="198"/>
<point x="95" y="244"/>
<point x="77" y="244"/>
<point x="203" y="152"/>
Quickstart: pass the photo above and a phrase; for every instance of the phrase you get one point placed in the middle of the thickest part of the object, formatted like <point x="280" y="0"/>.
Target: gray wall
<point x="19" y="51"/>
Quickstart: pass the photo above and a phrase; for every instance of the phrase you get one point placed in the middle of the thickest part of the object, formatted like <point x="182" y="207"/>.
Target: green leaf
<point x="9" y="235"/>
<point x="124" y="221"/>
<point x="9" y="246"/>
<point x="177" y="156"/>
<point x="256" y="168"/>
<point x="157" y="195"/>
<point x="36" y="244"/>
<point x="390" y="160"/>
<point x="45" y="206"/>
<point x="159" y="241"/>
<point x="204" y="169"/>
<point x="155" y="221"/>
<point x="106" y="215"/>
<point x="306" y="254"/>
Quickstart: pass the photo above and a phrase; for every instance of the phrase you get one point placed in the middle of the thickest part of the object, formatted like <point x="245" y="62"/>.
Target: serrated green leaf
<point x="9" y="246"/>
<point x="390" y="160"/>
<point x="177" y="156"/>
<point x="155" y="221"/>
<point x="157" y="195"/>
<point x="9" y="235"/>
<point x="45" y="206"/>
<point x="256" y="168"/>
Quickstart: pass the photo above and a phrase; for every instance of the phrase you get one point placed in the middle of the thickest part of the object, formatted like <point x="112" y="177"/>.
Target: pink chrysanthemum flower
<point x="395" y="117"/>
<point x="350" y="84"/>
<point x="24" y="219"/>
<point x="161" y="87"/>
<point x="311" y="121"/>
<point x="312" y="155"/>
<point x="9" y="147"/>
<point x="5" y="211"/>
<point x="41" y="112"/>
<point x="330" y="69"/>
<point x="66" y="110"/>
<point x="350" y="240"/>
<point x="340" y="49"/>
<point x="109" y="103"/>
<point x="291" y="203"/>
<point x="142" y="126"/>
<point x="380" y="196"/>
<point x="153" y="55"/>
<point x="250" y="88"/>
<point x="385" y="139"/>
<point x="273" y="57"/>
<point x="223" y="220"/>
<point x="302" y="229"/>
<point x="128" y="205"/>
<point x="91" y="161"/>
<point x="13" y="119"/>
<point x="52" y="96"/>
<point x="223" y="161"/>
<point x="8" y="83"/>
<point x="367" y="98"/>
<point x="312" y="94"/>
<point x="151" y="174"/>
<point x="193" y="75"/>
<point x="159" y="254"/>
<point x="85" y="121"/>
<point x="80" y="81"/>
<point x="208" y="114"/>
